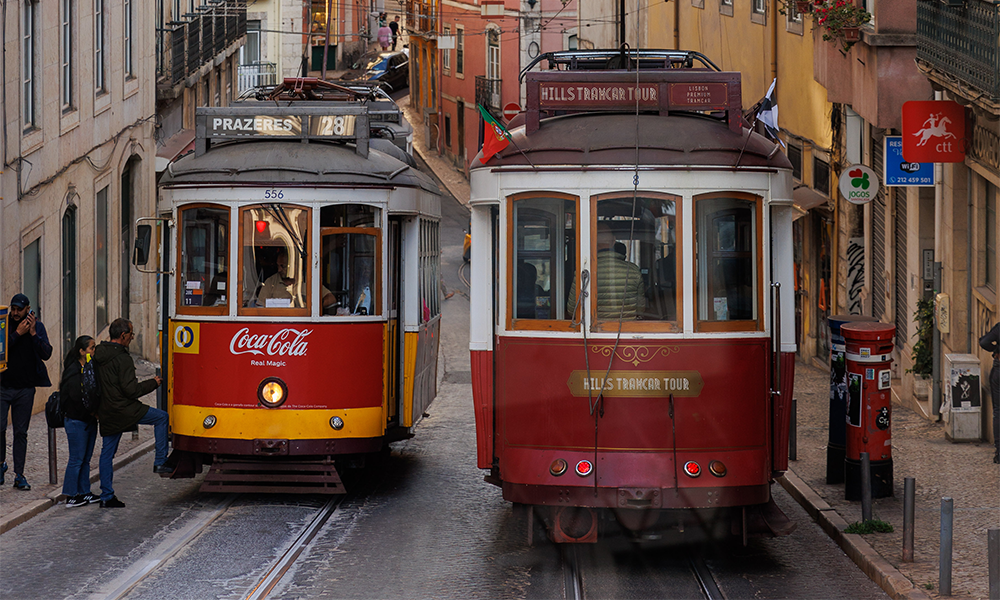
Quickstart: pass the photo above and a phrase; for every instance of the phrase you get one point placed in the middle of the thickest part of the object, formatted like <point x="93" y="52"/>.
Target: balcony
<point x="185" y="46"/>
<point x="424" y="19"/>
<point x="961" y="42"/>
<point x="488" y="94"/>
<point x="256" y="75"/>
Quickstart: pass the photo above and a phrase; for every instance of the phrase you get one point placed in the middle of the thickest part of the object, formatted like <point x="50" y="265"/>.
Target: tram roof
<point x="271" y="162"/>
<point x="610" y="138"/>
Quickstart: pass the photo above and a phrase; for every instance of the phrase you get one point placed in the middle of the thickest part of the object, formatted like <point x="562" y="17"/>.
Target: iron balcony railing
<point x="488" y="93"/>
<point x="188" y="44"/>
<point x="256" y="75"/>
<point x="961" y="41"/>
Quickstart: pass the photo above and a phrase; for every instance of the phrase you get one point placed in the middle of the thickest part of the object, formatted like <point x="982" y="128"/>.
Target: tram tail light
<point x="272" y="392"/>
<point x="558" y="467"/>
<point x="717" y="468"/>
<point x="692" y="469"/>
<point x="584" y="467"/>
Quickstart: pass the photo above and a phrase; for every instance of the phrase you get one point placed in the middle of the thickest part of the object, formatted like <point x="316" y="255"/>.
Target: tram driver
<point x="281" y="287"/>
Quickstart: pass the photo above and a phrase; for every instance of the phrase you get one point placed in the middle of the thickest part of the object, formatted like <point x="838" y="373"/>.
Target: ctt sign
<point x="858" y="184"/>
<point x="933" y="131"/>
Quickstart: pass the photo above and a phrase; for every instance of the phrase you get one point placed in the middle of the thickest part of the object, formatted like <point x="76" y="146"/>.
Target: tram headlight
<point x="272" y="392"/>
<point x="209" y="422"/>
<point x="337" y="423"/>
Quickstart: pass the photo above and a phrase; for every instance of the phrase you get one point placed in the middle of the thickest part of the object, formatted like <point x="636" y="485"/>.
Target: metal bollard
<point x="909" y="485"/>
<point x="866" y="487"/>
<point x="793" y="440"/>
<point x="993" y="550"/>
<point x="944" y="558"/>
<point x="53" y="476"/>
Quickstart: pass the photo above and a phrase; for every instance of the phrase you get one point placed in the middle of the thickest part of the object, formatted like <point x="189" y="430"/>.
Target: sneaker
<point x="91" y="498"/>
<point x="20" y="483"/>
<point x="75" y="501"/>
<point x="162" y="470"/>
<point x="114" y="502"/>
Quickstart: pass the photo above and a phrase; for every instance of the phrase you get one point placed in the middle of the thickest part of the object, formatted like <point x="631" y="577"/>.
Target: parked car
<point x="391" y="68"/>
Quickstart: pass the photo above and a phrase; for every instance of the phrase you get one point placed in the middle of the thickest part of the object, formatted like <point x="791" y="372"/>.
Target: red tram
<point x="631" y="250"/>
<point x="300" y="269"/>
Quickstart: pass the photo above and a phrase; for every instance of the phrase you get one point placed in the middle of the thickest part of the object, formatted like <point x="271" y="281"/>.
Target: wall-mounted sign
<point x="933" y="131"/>
<point x="899" y="172"/>
<point x="858" y="184"/>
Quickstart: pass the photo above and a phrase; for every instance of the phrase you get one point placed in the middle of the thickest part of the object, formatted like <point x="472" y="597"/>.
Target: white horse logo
<point x="934" y="126"/>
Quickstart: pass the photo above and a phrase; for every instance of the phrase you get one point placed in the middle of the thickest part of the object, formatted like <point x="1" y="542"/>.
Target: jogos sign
<point x="858" y="184"/>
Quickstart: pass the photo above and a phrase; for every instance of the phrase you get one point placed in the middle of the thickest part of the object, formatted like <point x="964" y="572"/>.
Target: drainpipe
<point x="968" y="260"/>
<point x="774" y="43"/>
<point x="677" y="25"/>
<point x="936" y="337"/>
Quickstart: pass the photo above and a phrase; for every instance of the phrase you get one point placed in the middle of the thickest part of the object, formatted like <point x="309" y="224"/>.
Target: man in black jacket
<point x="991" y="343"/>
<point x="120" y="407"/>
<point x="28" y="346"/>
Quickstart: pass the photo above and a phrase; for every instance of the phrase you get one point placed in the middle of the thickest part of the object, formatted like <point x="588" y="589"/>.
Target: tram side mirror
<point x="143" y="235"/>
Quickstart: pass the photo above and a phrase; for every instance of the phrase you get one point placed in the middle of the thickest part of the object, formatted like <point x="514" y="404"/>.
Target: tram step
<point x="285" y="477"/>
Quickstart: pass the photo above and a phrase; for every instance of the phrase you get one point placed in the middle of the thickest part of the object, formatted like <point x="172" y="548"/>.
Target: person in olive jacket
<point x="120" y="407"/>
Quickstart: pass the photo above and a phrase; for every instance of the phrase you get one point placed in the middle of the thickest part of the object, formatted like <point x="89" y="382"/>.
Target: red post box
<point x="868" y="347"/>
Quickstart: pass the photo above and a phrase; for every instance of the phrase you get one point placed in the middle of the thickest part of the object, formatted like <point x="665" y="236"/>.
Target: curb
<point x="39" y="506"/>
<point x="854" y="546"/>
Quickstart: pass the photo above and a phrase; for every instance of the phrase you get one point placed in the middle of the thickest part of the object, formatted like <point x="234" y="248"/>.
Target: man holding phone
<point x="28" y="346"/>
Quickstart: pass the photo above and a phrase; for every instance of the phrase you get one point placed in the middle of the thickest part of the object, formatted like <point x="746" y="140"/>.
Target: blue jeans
<point x="109" y="447"/>
<point x="82" y="436"/>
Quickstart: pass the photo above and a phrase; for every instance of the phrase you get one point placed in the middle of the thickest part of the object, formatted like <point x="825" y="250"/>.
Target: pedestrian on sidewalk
<point x="394" y="27"/>
<point x="81" y="426"/>
<point x="120" y="407"/>
<point x="991" y="343"/>
<point x="27" y="347"/>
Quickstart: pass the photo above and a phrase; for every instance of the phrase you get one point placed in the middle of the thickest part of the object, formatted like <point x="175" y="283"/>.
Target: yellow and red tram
<point x="301" y="270"/>
<point x="631" y="252"/>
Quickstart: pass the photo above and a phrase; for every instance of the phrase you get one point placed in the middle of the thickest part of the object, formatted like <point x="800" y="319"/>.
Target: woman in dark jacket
<point x="81" y="426"/>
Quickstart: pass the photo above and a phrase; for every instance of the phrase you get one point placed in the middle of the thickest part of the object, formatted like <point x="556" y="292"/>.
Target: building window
<point x="795" y="157"/>
<point x="446" y="54"/>
<point x="821" y="175"/>
<point x="32" y="287"/>
<point x="572" y="42"/>
<point x="447" y="130"/>
<point x="218" y="87"/>
<point x="459" y="50"/>
<point x="99" y="85"/>
<point x="991" y="237"/>
<point x="129" y="64"/>
<point x="101" y="260"/>
<point x="69" y="276"/>
<point x="30" y="73"/>
<point x="793" y="14"/>
<point x="66" y="41"/>
<point x="251" y="48"/>
<point x="760" y="7"/>
<point x="726" y="7"/>
<point x="493" y="57"/>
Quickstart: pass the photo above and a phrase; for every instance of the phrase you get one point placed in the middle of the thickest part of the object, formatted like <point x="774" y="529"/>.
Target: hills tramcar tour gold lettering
<point x="636" y="384"/>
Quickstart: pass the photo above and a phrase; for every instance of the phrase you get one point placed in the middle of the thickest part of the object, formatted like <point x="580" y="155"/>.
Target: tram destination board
<point x="248" y="123"/>
<point x="335" y="126"/>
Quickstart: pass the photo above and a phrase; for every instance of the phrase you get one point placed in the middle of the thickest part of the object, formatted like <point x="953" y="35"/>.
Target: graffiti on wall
<point x="855" y="275"/>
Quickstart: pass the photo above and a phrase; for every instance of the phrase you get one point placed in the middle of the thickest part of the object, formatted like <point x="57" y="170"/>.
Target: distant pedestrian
<point x="384" y="37"/>
<point x="120" y="407"/>
<point x="394" y="27"/>
<point x="81" y="426"/>
<point x="991" y="343"/>
<point x="27" y="346"/>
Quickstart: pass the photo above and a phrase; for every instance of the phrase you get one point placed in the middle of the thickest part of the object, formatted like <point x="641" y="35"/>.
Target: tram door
<point x="394" y="332"/>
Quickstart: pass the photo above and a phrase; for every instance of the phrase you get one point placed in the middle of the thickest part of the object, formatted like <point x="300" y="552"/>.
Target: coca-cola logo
<point x="287" y="342"/>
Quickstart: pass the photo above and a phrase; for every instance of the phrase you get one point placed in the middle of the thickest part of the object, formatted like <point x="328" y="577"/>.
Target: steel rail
<point x="572" y="575"/>
<point x="141" y="569"/>
<point x="281" y="566"/>
<point x="462" y="268"/>
<point x="709" y="588"/>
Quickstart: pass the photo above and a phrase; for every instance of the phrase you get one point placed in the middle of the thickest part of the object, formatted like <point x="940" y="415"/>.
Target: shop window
<point x="728" y="265"/>
<point x="204" y="261"/>
<point x="350" y="266"/>
<point x="544" y="258"/>
<point x="634" y="270"/>
<point x="274" y="273"/>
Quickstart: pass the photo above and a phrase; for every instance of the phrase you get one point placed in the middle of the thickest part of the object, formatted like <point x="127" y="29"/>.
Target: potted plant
<point x="842" y="20"/>
<point x="923" y="356"/>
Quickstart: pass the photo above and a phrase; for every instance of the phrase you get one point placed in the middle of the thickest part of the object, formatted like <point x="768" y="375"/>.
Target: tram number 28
<point x="339" y="125"/>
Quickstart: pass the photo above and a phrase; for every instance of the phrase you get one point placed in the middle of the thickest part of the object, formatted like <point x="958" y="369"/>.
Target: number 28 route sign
<point x="933" y="131"/>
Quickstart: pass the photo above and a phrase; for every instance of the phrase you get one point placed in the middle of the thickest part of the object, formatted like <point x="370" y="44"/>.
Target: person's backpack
<point x="55" y="416"/>
<point x="91" y="387"/>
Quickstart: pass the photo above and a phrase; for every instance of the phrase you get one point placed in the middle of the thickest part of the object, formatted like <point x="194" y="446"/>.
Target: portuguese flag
<point x="495" y="137"/>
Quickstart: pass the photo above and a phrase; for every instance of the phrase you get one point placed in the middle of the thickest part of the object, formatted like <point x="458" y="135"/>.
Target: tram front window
<point x="350" y="269"/>
<point x="204" y="259"/>
<point x="275" y="257"/>
<point x="544" y="258"/>
<point x="635" y="267"/>
<point x="728" y="278"/>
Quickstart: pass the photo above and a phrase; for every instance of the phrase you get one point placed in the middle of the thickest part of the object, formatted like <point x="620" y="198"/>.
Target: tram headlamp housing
<point x="272" y="392"/>
<point x="717" y="468"/>
<point x="209" y="422"/>
<point x="558" y="467"/>
<point x="337" y="423"/>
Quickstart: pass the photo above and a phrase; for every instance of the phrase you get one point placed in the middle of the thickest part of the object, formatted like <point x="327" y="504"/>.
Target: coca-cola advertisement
<point x="323" y="364"/>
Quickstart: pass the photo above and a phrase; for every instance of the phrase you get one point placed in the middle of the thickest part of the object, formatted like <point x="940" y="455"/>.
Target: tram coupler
<point x="574" y="525"/>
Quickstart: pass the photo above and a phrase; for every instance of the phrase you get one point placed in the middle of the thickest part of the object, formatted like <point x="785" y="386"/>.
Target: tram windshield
<point x="204" y="259"/>
<point x="275" y="257"/>
<point x="350" y="259"/>
<point x="728" y="231"/>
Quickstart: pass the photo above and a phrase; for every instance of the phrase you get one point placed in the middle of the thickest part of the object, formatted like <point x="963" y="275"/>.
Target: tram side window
<point x="204" y="257"/>
<point x="275" y="257"/>
<point x="727" y="234"/>
<point x="430" y="275"/>
<point x="636" y="266"/>
<point x="349" y="268"/>
<point x="544" y="258"/>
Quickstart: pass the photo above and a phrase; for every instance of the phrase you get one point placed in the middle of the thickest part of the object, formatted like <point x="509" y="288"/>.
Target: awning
<point x="805" y="199"/>
<point x="172" y="147"/>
